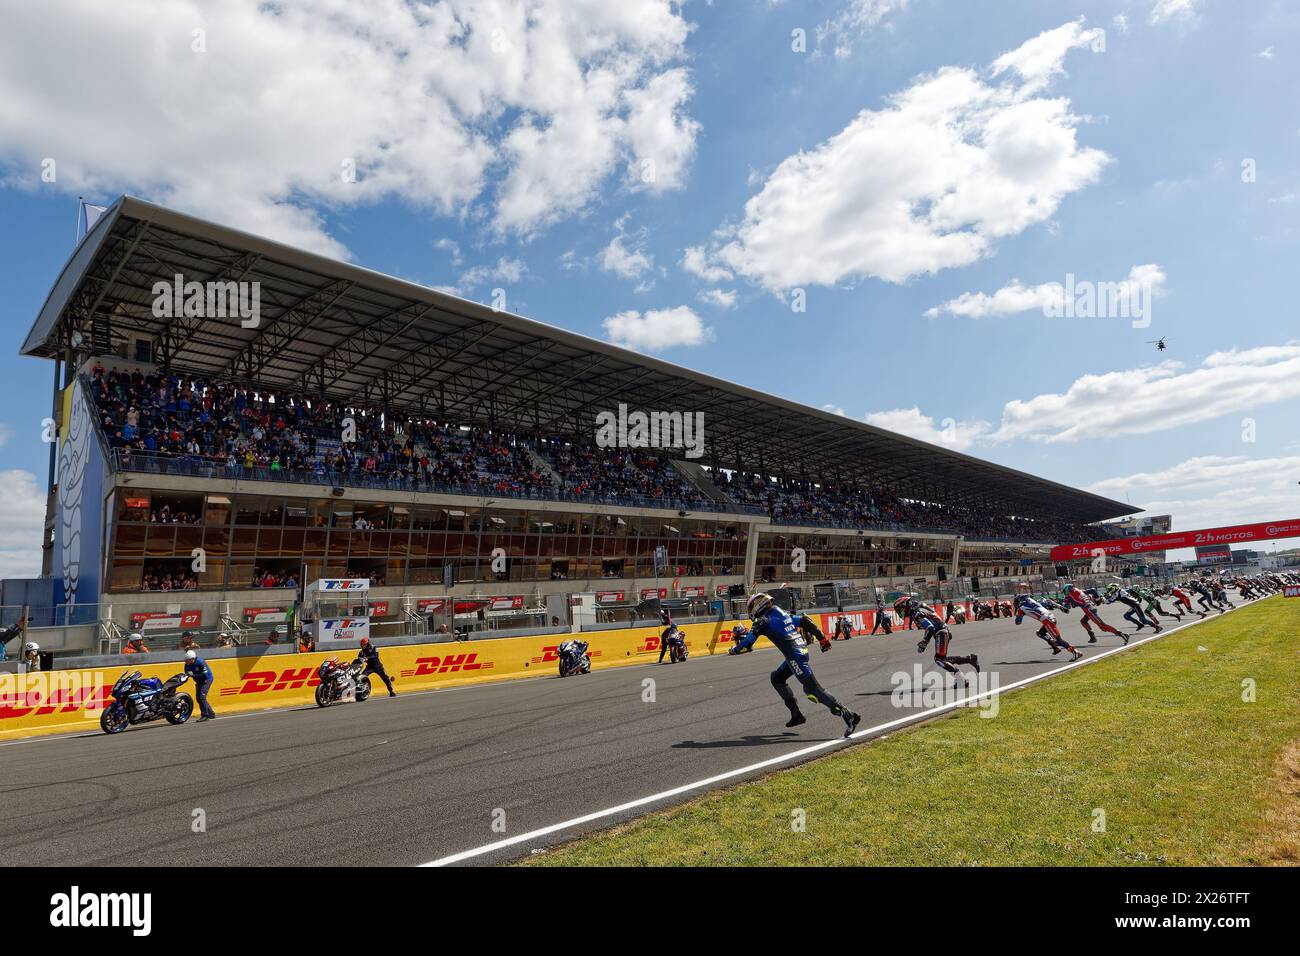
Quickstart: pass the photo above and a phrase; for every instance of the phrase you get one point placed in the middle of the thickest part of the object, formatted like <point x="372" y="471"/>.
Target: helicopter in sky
<point x="1158" y="343"/>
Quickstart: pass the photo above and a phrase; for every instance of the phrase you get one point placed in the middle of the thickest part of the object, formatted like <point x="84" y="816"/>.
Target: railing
<point x="233" y="627"/>
<point x="111" y="637"/>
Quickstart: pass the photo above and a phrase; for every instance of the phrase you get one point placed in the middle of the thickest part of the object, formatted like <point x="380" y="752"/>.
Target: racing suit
<point x="1130" y="599"/>
<point x="924" y="618"/>
<point x="1048" y="629"/>
<point x="1073" y="597"/>
<point x="785" y="631"/>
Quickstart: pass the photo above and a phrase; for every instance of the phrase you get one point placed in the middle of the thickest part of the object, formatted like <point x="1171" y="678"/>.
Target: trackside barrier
<point x="72" y="700"/>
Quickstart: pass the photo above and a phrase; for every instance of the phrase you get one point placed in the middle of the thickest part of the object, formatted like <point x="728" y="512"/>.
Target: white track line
<point x="793" y="755"/>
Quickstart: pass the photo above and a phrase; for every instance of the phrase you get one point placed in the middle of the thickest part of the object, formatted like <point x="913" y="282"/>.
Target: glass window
<point x="130" y="540"/>
<point x="216" y="510"/>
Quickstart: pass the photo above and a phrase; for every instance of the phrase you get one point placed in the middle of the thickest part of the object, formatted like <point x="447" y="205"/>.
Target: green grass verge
<point x="1159" y="738"/>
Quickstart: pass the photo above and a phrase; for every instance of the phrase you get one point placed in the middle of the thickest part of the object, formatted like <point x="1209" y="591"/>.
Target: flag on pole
<point x="88" y="213"/>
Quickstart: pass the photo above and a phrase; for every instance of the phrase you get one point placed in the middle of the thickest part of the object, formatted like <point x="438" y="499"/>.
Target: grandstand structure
<point x="359" y="425"/>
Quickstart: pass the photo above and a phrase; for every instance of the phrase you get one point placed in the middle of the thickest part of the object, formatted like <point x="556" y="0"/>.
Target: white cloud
<point x="695" y="260"/>
<point x="950" y="433"/>
<point x="22" y="524"/>
<point x="657" y="329"/>
<point x="1047" y="297"/>
<point x="1042" y="59"/>
<point x="1266" y="53"/>
<point x="1174" y="11"/>
<point x="506" y="269"/>
<point x="623" y="260"/>
<point x="1120" y="22"/>
<point x="931" y="181"/>
<point x="854" y="21"/>
<point x="1212" y="490"/>
<point x="1157" y="397"/>
<point x="719" y="298"/>
<point x="451" y="247"/>
<point x="524" y="107"/>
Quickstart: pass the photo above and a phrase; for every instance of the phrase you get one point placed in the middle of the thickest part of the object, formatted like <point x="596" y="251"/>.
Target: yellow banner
<point x="72" y="700"/>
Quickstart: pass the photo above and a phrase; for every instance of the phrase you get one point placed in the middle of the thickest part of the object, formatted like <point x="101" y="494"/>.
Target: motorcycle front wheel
<point x="322" y="696"/>
<point x="363" y="689"/>
<point x="113" y="720"/>
<point x="181" y="710"/>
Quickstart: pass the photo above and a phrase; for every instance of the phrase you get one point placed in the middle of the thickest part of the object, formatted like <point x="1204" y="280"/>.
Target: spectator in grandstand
<point x="188" y="643"/>
<point x="135" y="645"/>
<point x="226" y="639"/>
<point x="201" y="674"/>
<point x="306" y="643"/>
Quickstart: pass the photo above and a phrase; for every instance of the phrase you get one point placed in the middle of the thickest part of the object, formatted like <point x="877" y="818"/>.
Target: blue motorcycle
<point x="138" y="700"/>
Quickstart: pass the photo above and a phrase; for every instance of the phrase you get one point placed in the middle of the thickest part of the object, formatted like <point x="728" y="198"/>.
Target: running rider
<point x="1071" y="596"/>
<point x="1153" y="607"/>
<point x="786" y="632"/>
<point x="914" y="612"/>
<point x="1048" y="629"/>
<point x="1130" y="598"/>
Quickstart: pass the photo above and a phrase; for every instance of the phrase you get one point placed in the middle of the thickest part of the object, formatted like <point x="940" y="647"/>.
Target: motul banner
<point x="1264" y="531"/>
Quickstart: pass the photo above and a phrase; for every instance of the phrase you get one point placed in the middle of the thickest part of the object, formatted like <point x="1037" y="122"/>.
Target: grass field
<point x="1160" y="739"/>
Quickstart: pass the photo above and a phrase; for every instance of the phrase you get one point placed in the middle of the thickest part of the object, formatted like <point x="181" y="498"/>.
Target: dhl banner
<point x="72" y="700"/>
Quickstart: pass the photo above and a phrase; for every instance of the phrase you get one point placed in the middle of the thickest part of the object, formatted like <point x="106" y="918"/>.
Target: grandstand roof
<point x="351" y="334"/>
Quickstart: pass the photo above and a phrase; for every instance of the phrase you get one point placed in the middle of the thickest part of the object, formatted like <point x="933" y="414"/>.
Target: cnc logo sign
<point x="447" y="664"/>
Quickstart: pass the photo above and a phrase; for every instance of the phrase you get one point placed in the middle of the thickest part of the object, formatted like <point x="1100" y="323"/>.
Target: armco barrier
<point x="72" y="700"/>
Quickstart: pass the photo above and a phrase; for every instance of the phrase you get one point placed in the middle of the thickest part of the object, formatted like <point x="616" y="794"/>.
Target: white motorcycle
<point x="341" y="682"/>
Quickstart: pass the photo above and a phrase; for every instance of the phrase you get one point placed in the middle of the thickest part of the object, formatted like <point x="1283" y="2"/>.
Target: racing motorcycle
<point x="573" y="658"/>
<point x="341" y="682"/>
<point x="983" y="611"/>
<point x="676" y="642"/>
<point x="138" y="700"/>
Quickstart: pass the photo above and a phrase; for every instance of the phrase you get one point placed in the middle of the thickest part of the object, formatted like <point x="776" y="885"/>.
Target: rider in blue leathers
<point x="786" y="632"/>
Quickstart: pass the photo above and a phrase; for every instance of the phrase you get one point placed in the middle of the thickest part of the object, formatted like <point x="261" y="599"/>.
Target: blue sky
<point x="676" y="177"/>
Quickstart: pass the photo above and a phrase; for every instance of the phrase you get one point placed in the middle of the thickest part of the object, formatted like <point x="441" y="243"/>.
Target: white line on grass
<point x="786" y="758"/>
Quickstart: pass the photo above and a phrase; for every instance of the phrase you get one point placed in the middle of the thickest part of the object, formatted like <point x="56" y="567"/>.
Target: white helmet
<point x="190" y="655"/>
<point x="31" y="646"/>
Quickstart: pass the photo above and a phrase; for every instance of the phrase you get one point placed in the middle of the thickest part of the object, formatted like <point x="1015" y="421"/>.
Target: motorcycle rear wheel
<point x="181" y="711"/>
<point x="113" y="720"/>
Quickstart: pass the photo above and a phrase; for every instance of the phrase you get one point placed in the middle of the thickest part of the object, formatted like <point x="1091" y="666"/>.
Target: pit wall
<point x="63" y="701"/>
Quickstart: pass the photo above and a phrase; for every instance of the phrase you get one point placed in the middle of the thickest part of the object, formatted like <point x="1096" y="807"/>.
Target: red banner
<point x="161" y="620"/>
<point x="1264" y="531"/>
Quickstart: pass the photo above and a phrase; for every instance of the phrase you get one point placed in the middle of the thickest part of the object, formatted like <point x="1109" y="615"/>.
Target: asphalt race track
<point x="417" y="778"/>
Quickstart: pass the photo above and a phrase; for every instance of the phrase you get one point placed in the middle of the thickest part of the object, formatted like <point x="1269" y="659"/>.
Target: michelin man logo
<point x="72" y="474"/>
